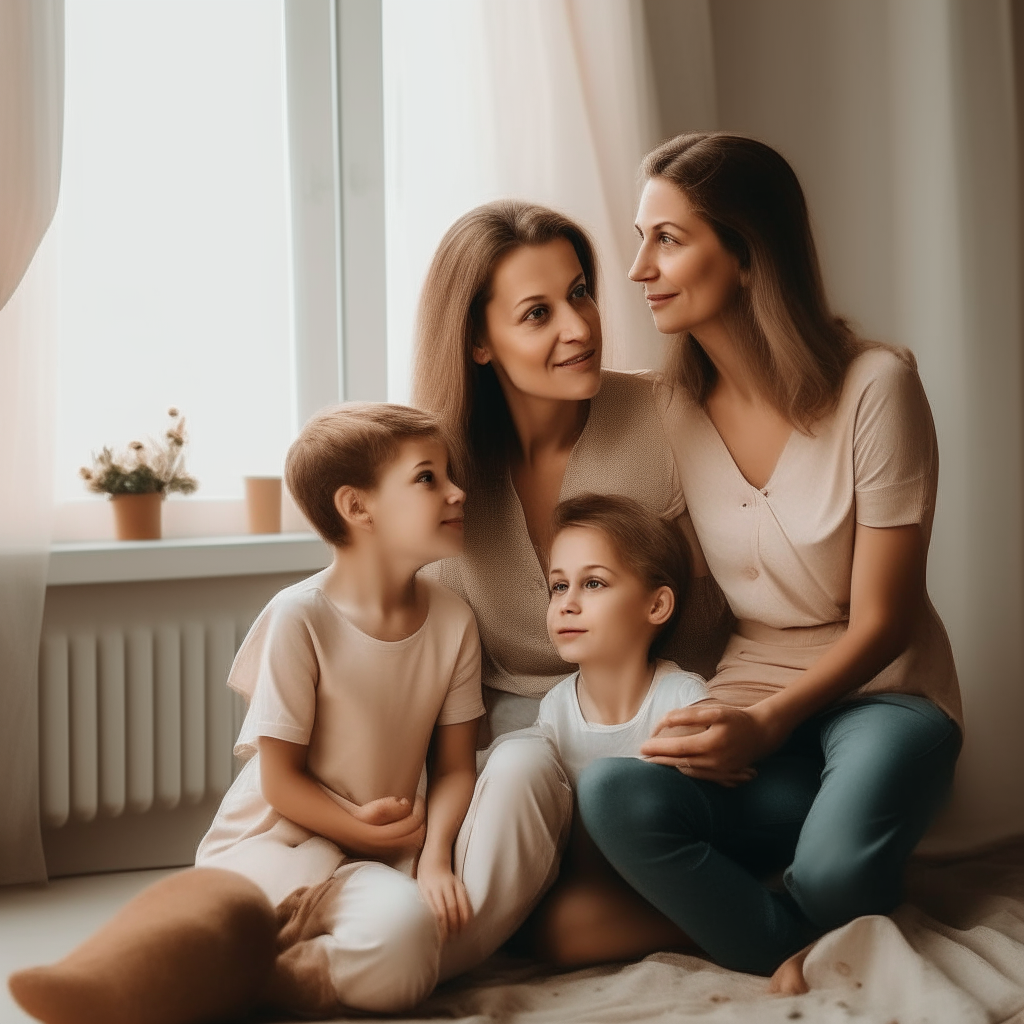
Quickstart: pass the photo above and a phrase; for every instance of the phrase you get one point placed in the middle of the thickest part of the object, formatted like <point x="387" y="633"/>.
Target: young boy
<point x="350" y="675"/>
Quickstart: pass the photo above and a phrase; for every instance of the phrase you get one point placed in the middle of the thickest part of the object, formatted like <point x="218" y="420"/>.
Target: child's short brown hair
<point x="653" y="548"/>
<point x="348" y="445"/>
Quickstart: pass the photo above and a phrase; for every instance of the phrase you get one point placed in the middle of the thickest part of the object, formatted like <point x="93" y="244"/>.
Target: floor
<point x="40" y="923"/>
<point x="954" y="954"/>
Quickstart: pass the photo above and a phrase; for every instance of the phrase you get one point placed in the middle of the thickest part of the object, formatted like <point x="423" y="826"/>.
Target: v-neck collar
<point x="780" y="458"/>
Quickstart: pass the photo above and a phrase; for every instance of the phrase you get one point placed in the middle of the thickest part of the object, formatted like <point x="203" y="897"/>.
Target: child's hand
<point x="384" y="833"/>
<point x="445" y="895"/>
<point x="384" y="811"/>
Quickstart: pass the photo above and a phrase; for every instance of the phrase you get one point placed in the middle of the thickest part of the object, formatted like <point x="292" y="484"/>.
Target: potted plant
<point x="139" y="477"/>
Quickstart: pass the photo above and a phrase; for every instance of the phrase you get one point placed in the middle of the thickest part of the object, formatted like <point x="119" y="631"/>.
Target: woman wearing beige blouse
<point x="509" y="359"/>
<point x="808" y="463"/>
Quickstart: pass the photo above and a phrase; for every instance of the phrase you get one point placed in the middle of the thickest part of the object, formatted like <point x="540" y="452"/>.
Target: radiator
<point x="132" y="719"/>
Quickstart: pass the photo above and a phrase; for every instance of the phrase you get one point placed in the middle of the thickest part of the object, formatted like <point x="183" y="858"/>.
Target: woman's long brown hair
<point x="465" y="397"/>
<point x="796" y="348"/>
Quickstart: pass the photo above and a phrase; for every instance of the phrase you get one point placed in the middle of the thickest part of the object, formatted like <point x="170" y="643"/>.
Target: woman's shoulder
<point x="629" y="385"/>
<point x="880" y="365"/>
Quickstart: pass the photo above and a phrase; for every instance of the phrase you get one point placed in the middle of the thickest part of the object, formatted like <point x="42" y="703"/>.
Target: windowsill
<point x="185" y="558"/>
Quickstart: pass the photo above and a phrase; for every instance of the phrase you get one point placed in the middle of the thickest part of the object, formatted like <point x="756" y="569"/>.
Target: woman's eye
<point x="593" y="584"/>
<point x="425" y="478"/>
<point x="580" y="291"/>
<point x="559" y="588"/>
<point x="537" y="313"/>
<point x="666" y="240"/>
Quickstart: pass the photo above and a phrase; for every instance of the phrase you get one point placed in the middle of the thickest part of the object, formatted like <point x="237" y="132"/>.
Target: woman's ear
<point x="480" y="355"/>
<point x="349" y="504"/>
<point x="662" y="606"/>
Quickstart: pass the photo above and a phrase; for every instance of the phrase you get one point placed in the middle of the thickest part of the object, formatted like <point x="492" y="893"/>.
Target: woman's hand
<point x="445" y="895"/>
<point x="712" y="742"/>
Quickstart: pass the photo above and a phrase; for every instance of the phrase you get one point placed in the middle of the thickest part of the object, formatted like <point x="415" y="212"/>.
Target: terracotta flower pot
<point x="137" y="516"/>
<point x="263" y="503"/>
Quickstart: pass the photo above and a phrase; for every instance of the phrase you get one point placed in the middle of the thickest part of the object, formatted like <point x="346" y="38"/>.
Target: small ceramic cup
<point x="263" y="503"/>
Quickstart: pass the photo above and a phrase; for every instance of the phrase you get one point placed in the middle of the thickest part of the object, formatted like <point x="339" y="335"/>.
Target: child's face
<point x="600" y="612"/>
<point x="415" y="509"/>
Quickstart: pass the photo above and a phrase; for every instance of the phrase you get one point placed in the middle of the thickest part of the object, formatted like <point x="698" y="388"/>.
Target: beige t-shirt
<point x="783" y="553"/>
<point x="622" y="450"/>
<point x="366" y="708"/>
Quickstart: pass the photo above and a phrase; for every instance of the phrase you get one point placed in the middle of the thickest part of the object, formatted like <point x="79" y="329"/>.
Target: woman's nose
<point x="573" y="326"/>
<point x="457" y="496"/>
<point x="642" y="269"/>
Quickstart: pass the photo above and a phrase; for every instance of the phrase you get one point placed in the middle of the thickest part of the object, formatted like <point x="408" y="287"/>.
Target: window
<point x="222" y="230"/>
<point x="174" y="232"/>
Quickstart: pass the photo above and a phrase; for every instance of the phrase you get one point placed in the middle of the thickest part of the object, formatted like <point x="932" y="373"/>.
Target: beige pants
<point x="364" y="937"/>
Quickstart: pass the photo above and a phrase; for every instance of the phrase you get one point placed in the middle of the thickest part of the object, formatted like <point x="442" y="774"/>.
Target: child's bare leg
<point x="788" y="979"/>
<point x="591" y="915"/>
<point x="193" y="947"/>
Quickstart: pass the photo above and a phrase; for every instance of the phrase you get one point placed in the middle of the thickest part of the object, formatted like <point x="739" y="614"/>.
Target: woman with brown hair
<point x="509" y="359"/>
<point x="808" y="461"/>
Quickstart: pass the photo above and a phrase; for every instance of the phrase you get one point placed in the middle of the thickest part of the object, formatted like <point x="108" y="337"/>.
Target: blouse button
<point x="753" y="573"/>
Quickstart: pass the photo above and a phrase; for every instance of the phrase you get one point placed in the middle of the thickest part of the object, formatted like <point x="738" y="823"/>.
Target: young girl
<point x="617" y="577"/>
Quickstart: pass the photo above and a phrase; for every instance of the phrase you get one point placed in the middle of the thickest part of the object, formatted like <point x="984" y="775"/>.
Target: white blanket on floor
<point x="954" y="954"/>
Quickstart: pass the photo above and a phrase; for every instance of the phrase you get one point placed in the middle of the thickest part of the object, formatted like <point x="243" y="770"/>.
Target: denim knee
<point x="623" y="799"/>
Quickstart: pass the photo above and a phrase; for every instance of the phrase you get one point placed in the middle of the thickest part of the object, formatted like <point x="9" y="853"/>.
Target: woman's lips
<point x="455" y="523"/>
<point x="657" y="300"/>
<point x="579" y="360"/>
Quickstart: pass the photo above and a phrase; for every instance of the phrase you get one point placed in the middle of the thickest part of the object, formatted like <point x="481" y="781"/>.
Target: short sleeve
<point x="464" y="702"/>
<point x="277" y="670"/>
<point x="894" y="449"/>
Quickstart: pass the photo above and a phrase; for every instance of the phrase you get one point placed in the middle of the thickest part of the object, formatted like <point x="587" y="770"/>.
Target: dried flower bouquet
<point x="144" y="467"/>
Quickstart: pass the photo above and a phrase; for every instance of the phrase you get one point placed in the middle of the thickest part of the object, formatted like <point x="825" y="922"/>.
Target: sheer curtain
<point x="31" y="103"/>
<point x="548" y="100"/>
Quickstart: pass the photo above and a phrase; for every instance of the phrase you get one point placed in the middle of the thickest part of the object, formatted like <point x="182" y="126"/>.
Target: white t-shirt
<point x="579" y="742"/>
<point x="366" y="708"/>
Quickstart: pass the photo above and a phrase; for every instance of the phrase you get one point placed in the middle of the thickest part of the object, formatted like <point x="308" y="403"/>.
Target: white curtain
<point x="548" y="100"/>
<point x="899" y="117"/>
<point x="31" y="105"/>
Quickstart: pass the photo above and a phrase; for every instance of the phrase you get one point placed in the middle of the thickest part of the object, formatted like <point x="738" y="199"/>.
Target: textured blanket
<point x="953" y="953"/>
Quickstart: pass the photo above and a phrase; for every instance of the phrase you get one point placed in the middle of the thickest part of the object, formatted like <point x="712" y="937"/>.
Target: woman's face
<point x="543" y="330"/>
<point x="689" y="277"/>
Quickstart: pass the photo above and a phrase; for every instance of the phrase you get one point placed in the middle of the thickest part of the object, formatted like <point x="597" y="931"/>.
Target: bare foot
<point x="788" y="980"/>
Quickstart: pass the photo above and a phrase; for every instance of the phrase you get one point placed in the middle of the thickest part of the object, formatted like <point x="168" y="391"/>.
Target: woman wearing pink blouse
<point x="808" y="464"/>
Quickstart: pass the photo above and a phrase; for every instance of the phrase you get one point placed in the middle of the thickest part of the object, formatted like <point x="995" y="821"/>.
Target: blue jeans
<point x="841" y="806"/>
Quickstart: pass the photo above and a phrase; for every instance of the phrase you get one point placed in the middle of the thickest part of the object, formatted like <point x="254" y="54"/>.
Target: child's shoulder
<point x="301" y="602"/>
<point x="445" y="606"/>
<point x="676" y="684"/>
<point x="559" y="697"/>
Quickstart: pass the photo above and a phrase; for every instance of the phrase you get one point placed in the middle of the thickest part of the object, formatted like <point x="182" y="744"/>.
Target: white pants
<point x="371" y="942"/>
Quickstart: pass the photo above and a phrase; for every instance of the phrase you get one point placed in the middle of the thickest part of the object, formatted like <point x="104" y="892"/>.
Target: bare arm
<point x="381" y="828"/>
<point x="452" y="778"/>
<point x="886" y="596"/>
